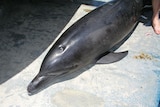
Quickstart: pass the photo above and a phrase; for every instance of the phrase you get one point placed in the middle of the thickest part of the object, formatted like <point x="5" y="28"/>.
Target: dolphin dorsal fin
<point x="112" y="57"/>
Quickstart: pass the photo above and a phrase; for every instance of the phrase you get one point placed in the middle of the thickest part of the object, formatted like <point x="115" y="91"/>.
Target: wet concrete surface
<point x="27" y="28"/>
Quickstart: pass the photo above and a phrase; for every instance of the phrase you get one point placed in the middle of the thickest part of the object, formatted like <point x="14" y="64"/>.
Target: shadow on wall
<point x="27" y="28"/>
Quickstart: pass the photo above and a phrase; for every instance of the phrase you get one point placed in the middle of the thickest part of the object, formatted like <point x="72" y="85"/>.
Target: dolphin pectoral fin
<point x="112" y="57"/>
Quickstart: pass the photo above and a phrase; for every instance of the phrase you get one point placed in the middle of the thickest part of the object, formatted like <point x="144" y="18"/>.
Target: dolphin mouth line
<point x="62" y="71"/>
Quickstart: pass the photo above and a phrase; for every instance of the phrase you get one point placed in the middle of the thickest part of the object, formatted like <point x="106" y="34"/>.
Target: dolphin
<point x="88" y="41"/>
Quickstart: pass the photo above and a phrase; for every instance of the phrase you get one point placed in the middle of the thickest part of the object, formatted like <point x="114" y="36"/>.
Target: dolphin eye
<point x="61" y="47"/>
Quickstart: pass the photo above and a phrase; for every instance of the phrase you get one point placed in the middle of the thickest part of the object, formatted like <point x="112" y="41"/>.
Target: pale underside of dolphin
<point x="90" y="40"/>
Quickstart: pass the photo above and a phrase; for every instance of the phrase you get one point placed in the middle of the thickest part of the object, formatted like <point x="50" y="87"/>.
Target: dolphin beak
<point x="36" y="85"/>
<point x="41" y="82"/>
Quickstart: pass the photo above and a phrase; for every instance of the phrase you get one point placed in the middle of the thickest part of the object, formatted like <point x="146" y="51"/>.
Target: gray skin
<point x="87" y="42"/>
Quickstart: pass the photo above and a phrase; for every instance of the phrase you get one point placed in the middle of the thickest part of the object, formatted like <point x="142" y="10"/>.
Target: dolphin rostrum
<point x="88" y="41"/>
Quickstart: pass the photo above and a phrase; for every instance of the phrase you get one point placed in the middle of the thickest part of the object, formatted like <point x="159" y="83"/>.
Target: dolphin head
<point x="59" y="65"/>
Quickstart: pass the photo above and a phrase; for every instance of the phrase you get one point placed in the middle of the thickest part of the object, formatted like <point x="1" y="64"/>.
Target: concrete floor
<point x="27" y="28"/>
